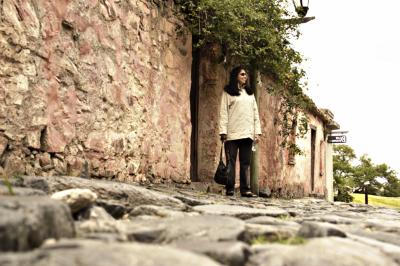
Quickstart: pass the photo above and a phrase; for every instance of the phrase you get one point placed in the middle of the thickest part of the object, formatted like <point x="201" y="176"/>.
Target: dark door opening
<point x="313" y="140"/>
<point x="194" y="111"/>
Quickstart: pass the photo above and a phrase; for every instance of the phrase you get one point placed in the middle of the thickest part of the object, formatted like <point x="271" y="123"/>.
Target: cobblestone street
<point x="111" y="223"/>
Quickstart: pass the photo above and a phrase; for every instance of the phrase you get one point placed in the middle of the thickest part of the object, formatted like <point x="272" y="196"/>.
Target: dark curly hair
<point x="232" y="88"/>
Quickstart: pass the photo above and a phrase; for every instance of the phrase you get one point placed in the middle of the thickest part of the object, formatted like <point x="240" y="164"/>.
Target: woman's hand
<point x="257" y="138"/>
<point x="223" y="137"/>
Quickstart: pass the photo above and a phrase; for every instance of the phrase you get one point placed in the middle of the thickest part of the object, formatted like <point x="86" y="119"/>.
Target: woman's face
<point x="242" y="77"/>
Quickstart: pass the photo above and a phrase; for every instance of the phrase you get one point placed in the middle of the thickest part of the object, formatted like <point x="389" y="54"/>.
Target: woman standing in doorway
<point x="239" y="128"/>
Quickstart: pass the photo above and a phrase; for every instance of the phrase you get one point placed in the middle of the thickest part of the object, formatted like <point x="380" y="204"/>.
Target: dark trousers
<point x="231" y="149"/>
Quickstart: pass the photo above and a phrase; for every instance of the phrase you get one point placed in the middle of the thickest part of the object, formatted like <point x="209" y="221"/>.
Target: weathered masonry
<point x="284" y="174"/>
<point x="103" y="89"/>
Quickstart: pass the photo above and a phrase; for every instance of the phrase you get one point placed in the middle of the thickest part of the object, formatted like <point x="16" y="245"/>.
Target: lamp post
<point x="254" y="169"/>
<point x="300" y="7"/>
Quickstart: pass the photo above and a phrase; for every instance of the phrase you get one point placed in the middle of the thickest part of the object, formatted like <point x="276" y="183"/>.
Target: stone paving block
<point x="240" y="211"/>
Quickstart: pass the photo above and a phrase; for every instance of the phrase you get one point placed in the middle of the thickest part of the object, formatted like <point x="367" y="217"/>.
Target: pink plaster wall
<point x="274" y="170"/>
<point x="102" y="88"/>
<point x="94" y="86"/>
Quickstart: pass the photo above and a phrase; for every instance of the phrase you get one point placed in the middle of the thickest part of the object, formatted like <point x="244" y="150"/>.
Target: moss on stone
<point x="296" y="240"/>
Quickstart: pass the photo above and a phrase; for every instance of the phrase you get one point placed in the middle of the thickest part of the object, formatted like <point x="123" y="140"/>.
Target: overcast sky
<point x="353" y="54"/>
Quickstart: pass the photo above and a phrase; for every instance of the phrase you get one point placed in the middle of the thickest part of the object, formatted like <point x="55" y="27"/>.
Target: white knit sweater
<point x="239" y="116"/>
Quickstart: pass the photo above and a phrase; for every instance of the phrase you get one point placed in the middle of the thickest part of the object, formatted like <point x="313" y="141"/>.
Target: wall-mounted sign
<point x="337" y="139"/>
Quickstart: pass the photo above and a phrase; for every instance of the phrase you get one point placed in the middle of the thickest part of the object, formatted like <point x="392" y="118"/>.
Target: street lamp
<point x="300" y="7"/>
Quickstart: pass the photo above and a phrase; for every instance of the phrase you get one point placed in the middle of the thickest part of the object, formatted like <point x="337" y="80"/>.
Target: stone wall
<point x="298" y="175"/>
<point x="212" y="80"/>
<point x="97" y="88"/>
<point x="329" y="172"/>
<point x="276" y="171"/>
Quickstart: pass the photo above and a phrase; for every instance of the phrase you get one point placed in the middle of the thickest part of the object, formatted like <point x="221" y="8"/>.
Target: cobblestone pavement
<point x="120" y="224"/>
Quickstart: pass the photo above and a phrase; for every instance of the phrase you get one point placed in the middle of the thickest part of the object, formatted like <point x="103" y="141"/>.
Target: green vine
<point x="255" y="33"/>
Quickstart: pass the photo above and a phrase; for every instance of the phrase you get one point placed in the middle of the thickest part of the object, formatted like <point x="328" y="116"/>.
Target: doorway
<point x="313" y="140"/>
<point x="194" y="111"/>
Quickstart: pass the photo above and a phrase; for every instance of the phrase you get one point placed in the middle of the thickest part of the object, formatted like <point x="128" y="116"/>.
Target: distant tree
<point x="343" y="172"/>
<point x="382" y="179"/>
<point x="392" y="187"/>
<point x="366" y="171"/>
<point x="350" y="177"/>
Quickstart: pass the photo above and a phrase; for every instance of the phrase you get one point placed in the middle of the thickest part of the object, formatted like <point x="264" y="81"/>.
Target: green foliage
<point x="344" y="194"/>
<point x="284" y="217"/>
<point x="392" y="187"/>
<point x="343" y="172"/>
<point x="7" y="183"/>
<point x="350" y="177"/>
<point x="366" y="171"/>
<point x="251" y="32"/>
<point x="291" y="128"/>
<point x="255" y="33"/>
<point x="259" y="240"/>
<point x="381" y="177"/>
<point x="296" y="240"/>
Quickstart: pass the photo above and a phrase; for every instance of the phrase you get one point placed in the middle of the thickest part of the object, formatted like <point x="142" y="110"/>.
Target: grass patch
<point x="296" y="240"/>
<point x="259" y="240"/>
<point x="7" y="183"/>
<point x="284" y="217"/>
<point x="379" y="201"/>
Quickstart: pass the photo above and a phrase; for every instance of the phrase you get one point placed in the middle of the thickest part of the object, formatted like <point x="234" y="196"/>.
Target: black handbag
<point x="221" y="175"/>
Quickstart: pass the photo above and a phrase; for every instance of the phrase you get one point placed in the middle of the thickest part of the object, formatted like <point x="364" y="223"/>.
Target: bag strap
<point x="222" y="146"/>
<point x="226" y="154"/>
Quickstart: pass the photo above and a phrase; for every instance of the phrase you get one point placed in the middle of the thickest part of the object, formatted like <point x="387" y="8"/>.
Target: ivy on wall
<point x="255" y="33"/>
